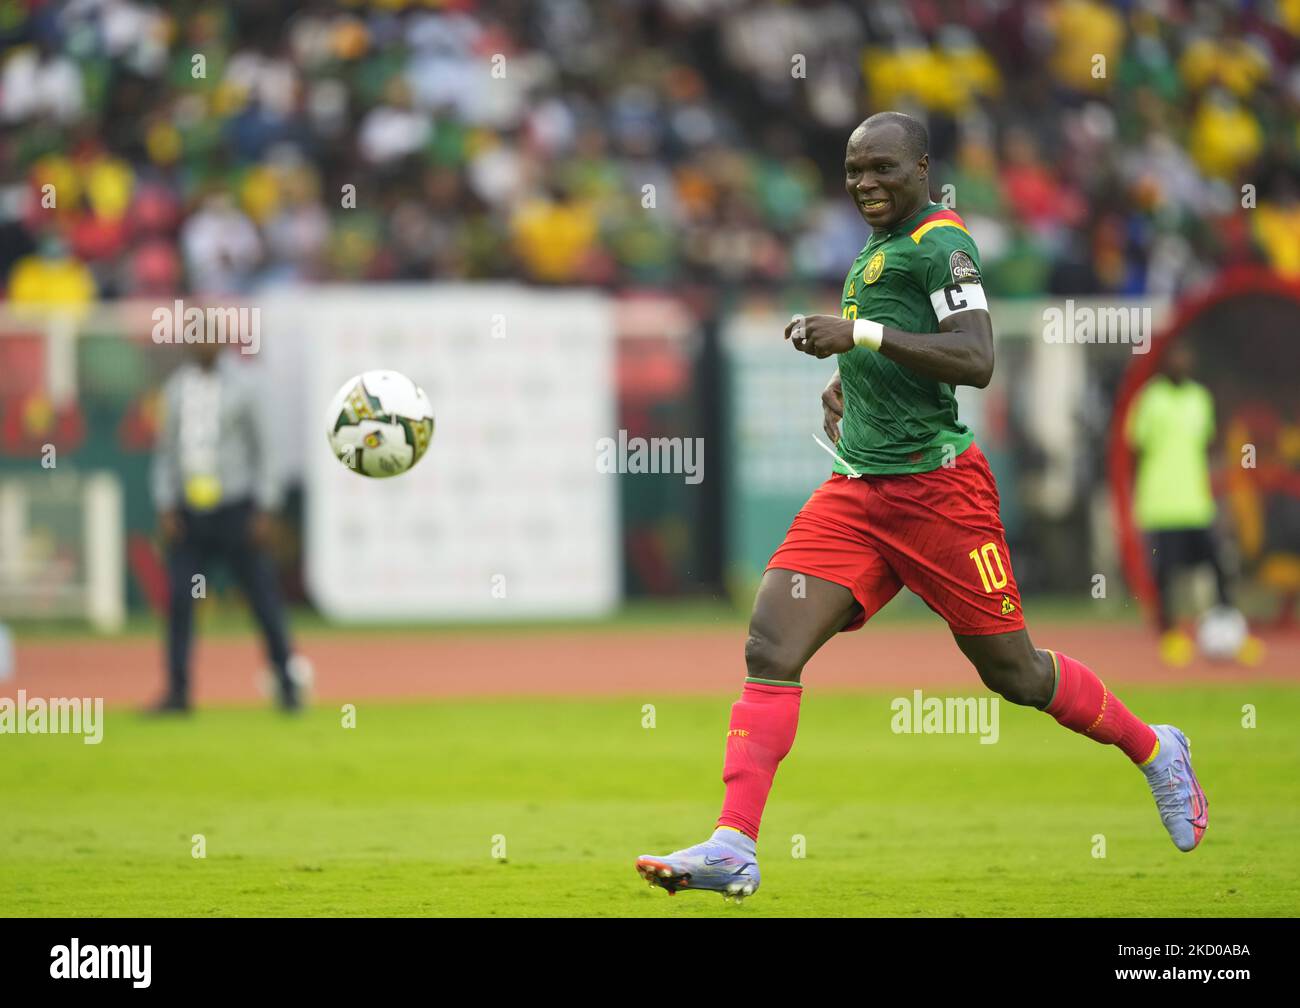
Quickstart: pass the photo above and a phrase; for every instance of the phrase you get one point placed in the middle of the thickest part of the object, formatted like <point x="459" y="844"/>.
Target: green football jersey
<point x="1171" y="426"/>
<point x="910" y="278"/>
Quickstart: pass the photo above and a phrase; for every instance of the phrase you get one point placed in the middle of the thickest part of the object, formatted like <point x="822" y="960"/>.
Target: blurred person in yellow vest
<point x="1236" y="64"/>
<point x="1276" y="227"/>
<point x="946" y="78"/>
<point x="555" y="237"/>
<point x="51" y="280"/>
<point x="1171" y="427"/>
<point x="1289" y="15"/>
<point x="1085" y="31"/>
<point x="1225" y="137"/>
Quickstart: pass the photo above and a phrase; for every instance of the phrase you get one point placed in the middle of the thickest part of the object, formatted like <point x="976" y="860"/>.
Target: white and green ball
<point x="1221" y="632"/>
<point x="380" y="423"/>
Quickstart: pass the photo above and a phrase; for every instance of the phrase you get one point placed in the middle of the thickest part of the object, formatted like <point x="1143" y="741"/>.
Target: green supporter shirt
<point x="1171" y="426"/>
<point x="895" y="421"/>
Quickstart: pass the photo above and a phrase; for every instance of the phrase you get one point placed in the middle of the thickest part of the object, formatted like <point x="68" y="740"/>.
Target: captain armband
<point x="956" y="298"/>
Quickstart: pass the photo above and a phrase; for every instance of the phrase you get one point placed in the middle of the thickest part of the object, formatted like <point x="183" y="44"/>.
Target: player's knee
<point x="768" y="659"/>
<point x="1014" y="681"/>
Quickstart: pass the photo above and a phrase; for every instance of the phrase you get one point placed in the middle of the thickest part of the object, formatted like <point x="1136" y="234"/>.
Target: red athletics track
<point x="578" y="663"/>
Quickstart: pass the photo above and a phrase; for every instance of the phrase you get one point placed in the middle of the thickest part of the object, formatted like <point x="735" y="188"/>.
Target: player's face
<point x="1180" y="362"/>
<point x="885" y="183"/>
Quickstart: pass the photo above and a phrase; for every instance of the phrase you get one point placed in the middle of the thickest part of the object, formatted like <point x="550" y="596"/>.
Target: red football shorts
<point x="937" y="532"/>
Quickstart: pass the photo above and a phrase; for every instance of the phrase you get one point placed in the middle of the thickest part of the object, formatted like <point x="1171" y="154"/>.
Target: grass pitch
<point x="409" y="813"/>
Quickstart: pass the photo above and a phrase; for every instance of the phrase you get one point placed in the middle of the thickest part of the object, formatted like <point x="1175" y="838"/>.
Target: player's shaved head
<point x="916" y="136"/>
<point x="886" y="168"/>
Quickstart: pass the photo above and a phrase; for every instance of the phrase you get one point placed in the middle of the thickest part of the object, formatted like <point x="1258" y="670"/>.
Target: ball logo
<point x="361" y="403"/>
<point x="963" y="268"/>
<point x="875" y="266"/>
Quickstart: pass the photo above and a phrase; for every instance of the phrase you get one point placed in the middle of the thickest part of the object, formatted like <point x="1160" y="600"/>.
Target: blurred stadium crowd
<point x="210" y="148"/>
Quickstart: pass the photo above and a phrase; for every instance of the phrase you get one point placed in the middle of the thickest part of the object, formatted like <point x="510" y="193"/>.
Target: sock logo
<point x="742" y="732"/>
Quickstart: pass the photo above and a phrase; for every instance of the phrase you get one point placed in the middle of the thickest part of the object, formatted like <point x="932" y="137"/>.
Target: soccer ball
<point x="1221" y="633"/>
<point x="380" y="423"/>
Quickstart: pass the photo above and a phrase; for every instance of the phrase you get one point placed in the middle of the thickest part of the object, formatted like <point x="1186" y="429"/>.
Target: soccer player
<point x="910" y="502"/>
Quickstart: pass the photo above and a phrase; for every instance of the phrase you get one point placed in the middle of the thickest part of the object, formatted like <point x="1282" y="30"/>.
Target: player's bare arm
<point x="960" y="353"/>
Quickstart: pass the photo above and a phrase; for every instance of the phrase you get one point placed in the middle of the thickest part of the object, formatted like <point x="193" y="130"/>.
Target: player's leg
<point x="1064" y="687"/>
<point x="1203" y="548"/>
<point x="942" y="533"/>
<point x="1076" y="698"/>
<point x="256" y="576"/>
<point x="1162" y="556"/>
<point x="186" y="559"/>
<point x="1010" y="666"/>
<point x="794" y="615"/>
<point x="827" y="576"/>
<point x="1169" y="555"/>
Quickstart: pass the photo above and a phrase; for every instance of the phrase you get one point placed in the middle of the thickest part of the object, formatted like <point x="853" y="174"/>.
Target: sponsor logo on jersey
<point x="875" y="266"/>
<point x="963" y="268"/>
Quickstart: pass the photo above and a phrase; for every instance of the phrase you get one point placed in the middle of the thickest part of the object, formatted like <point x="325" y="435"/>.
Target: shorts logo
<point x="963" y="268"/>
<point x="1008" y="607"/>
<point x="875" y="266"/>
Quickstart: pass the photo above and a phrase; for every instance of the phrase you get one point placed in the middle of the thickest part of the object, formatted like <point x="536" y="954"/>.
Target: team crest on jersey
<point x="963" y="268"/>
<point x="875" y="266"/>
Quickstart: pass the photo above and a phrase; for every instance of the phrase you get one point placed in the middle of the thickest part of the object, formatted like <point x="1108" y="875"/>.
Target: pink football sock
<point x="763" y="723"/>
<point x="1083" y="704"/>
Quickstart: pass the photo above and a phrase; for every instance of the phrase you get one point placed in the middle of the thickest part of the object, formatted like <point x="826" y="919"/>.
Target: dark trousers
<point x="221" y="534"/>
<point x="1177" y="549"/>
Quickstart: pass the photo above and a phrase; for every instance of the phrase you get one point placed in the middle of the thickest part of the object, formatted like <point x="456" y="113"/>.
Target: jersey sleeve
<point x="947" y="266"/>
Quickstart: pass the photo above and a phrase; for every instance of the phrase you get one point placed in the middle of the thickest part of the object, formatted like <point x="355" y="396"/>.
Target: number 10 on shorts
<point x="989" y="564"/>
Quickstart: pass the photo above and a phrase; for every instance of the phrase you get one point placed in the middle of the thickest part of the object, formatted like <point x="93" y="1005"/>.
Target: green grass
<point x="397" y="816"/>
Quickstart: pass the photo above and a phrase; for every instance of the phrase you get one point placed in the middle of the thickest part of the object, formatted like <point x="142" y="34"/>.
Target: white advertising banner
<point x="506" y="516"/>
